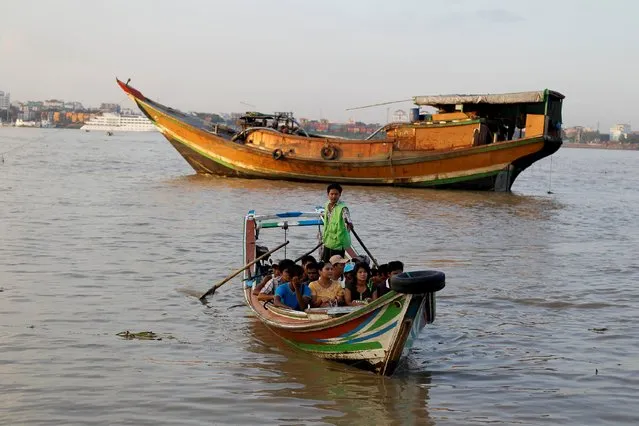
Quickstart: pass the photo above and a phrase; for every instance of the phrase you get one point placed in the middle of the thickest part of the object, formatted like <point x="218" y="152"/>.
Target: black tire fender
<point x="328" y="152"/>
<point x="418" y="282"/>
<point x="278" y="154"/>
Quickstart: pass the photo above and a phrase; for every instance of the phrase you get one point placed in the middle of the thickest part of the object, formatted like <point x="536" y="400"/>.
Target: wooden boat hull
<point x="489" y="167"/>
<point x="374" y="338"/>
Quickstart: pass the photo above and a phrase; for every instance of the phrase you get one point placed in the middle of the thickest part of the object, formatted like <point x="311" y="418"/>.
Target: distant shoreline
<point x="617" y="146"/>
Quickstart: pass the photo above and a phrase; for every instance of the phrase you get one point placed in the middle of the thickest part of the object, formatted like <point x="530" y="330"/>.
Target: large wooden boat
<point x="373" y="337"/>
<point x="480" y="142"/>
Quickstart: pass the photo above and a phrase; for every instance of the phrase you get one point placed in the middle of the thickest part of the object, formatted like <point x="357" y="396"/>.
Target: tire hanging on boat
<point x="329" y="152"/>
<point x="278" y="154"/>
<point x="418" y="282"/>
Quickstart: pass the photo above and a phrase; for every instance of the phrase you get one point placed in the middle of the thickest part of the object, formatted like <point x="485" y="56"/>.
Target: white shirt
<point x="269" y="287"/>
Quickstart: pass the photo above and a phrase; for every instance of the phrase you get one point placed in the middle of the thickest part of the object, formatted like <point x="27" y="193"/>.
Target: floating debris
<point x="142" y="335"/>
<point x="598" y="330"/>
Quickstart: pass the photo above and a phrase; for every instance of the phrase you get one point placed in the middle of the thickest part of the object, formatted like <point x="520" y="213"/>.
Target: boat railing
<point x="384" y="127"/>
<point x="245" y="132"/>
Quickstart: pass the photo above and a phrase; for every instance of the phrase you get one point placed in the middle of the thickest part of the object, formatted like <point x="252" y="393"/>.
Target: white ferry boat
<point x="111" y="122"/>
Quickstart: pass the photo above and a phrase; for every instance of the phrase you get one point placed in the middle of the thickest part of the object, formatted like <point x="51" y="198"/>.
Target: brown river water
<point x="100" y="235"/>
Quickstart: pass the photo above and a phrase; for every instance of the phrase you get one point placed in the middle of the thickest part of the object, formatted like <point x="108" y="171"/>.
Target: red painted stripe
<point x="327" y="333"/>
<point x="250" y="243"/>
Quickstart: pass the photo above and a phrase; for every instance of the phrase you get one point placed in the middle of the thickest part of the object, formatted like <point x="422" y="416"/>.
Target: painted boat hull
<point x="375" y="338"/>
<point x="492" y="167"/>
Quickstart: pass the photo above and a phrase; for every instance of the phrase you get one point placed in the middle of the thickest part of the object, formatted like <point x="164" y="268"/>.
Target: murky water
<point x="537" y="324"/>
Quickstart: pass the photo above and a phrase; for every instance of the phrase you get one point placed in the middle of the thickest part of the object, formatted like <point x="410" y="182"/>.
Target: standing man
<point x="337" y="224"/>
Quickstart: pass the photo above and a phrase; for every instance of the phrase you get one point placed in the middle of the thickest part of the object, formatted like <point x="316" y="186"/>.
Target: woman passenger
<point x="362" y="290"/>
<point x="326" y="292"/>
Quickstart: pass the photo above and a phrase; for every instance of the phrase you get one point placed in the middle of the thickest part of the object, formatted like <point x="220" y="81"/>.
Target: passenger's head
<point x="362" y="272"/>
<point x="334" y="191"/>
<point x="362" y="258"/>
<point x="286" y="267"/>
<point x="276" y="270"/>
<point x="312" y="271"/>
<point x="375" y="274"/>
<point x="338" y="263"/>
<point x="325" y="270"/>
<point x="383" y="271"/>
<point x="395" y="267"/>
<point x="379" y="274"/>
<point x="295" y="273"/>
<point x="307" y="259"/>
<point x="284" y="263"/>
<point x="349" y="273"/>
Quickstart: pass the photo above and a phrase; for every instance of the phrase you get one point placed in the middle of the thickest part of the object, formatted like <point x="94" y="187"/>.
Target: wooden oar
<point x="248" y="265"/>
<point x="306" y="254"/>
<point x="364" y="247"/>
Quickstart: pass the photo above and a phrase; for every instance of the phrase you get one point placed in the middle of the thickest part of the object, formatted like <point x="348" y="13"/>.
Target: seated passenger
<point x="266" y="292"/>
<point x="361" y="291"/>
<point x="379" y="274"/>
<point x="311" y="273"/>
<point x="306" y="259"/>
<point x="338" y="262"/>
<point x="276" y="274"/>
<point x="392" y="268"/>
<point x="349" y="274"/>
<point x="380" y="279"/>
<point x="326" y="291"/>
<point x="293" y="294"/>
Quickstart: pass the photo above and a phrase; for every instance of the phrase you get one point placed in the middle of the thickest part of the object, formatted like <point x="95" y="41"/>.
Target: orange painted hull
<point x="488" y="167"/>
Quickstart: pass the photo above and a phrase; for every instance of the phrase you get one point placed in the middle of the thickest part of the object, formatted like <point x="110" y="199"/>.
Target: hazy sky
<point x="319" y="57"/>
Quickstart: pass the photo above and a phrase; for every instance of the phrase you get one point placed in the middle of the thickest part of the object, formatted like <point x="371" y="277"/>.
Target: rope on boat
<point x="550" y="177"/>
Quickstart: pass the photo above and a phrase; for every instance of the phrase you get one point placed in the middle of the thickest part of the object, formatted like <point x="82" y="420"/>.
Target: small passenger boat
<point x="479" y="142"/>
<point x="373" y="337"/>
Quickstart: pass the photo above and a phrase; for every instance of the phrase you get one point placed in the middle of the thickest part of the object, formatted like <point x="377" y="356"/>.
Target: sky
<point x="319" y="58"/>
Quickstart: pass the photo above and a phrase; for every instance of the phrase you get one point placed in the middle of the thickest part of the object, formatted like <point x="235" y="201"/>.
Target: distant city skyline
<point x="318" y="59"/>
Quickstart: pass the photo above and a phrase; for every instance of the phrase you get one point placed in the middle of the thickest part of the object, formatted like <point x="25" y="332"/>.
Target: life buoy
<point x="329" y="152"/>
<point x="418" y="282"/>
<point x="278" y="154"/>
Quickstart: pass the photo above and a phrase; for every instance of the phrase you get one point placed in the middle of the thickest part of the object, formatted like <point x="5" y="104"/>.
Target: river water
<point x="100" y="235"/>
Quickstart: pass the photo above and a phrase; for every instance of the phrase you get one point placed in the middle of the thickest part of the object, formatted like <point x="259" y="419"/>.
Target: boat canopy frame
<point x="287" y="219"/>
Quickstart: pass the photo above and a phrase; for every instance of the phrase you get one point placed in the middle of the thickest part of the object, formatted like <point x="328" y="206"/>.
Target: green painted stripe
<point x="269" y="225"/>
<point x="203" y="153"/>
<point x="451" y="180"/>
<point x="391" y="312"/>
<point x="342" y="347"/>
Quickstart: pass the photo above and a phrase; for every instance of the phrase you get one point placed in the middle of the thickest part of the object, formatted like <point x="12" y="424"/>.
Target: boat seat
<point x="335" y="311"/>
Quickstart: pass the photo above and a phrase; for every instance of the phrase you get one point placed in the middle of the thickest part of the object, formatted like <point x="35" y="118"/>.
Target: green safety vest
<point x="336" y="235"/>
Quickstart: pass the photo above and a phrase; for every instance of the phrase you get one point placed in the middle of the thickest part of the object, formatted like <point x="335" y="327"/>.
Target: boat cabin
<point x="493" y="117"/>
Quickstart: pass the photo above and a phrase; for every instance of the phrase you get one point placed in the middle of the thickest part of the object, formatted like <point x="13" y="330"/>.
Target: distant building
<point x="53" y="104"/>
<point x="5" y="100"/>
<point x="105" y="107"/>
<point x="619" y="131"/>
<point x="73" y="106"/>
